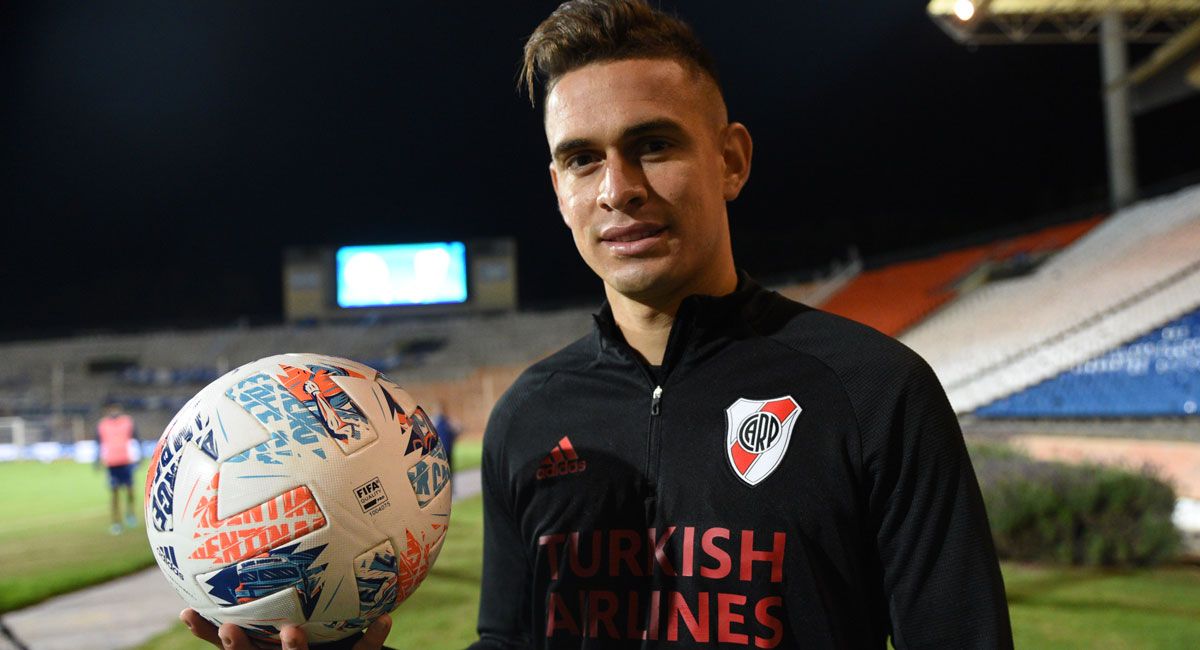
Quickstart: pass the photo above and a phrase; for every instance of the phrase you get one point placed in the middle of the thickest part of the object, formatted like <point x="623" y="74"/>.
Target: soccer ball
<point x="299" y="489"/>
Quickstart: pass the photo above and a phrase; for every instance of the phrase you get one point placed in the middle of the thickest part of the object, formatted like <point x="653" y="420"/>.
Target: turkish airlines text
<point x="718" y="559"/>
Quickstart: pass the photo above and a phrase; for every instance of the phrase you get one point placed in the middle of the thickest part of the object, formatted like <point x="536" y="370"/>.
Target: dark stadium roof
<point x="1059" y="21"/>
<point x="156" y="159"/>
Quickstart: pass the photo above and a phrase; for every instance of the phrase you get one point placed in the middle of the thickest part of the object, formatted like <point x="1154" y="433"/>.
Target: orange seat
<point x="896" y="297"/>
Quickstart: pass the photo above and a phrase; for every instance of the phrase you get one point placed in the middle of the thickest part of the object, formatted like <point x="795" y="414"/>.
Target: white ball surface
<point x="298" y="489"/>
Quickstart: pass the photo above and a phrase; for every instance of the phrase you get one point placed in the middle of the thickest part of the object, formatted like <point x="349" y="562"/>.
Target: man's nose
<point x="623" y="187"/>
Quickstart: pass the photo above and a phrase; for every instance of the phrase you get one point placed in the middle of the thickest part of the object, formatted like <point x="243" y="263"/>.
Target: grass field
<point x="1051" y="607"/>
<point x="54" y="535"/>
<point x="468" y="453"/>
<point x="40" y="501"/>
<point x="1055" y="607"/>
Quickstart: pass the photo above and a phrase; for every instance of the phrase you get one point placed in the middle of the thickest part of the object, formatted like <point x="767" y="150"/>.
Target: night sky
<point x="158" y="157"/>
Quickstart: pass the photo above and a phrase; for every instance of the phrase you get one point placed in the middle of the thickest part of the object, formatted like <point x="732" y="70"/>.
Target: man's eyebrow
<point x="660" y="125"/>
<point x="567" y="146"/>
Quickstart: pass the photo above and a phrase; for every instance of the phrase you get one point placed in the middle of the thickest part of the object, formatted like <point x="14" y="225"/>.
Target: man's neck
<point x="646" y="324"/>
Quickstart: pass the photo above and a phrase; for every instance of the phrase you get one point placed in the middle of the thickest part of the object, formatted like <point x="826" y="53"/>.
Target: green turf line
<point x="54" y="538"/>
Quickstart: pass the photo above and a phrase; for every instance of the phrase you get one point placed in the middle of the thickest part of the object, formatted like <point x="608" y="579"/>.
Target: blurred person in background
<point x="117" y="447"/>
<point x="447" y="429"/>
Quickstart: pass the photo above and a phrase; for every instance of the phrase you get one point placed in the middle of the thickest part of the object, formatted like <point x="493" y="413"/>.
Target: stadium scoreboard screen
<point x="401" y="274"/>
<point x="355" y="281"/>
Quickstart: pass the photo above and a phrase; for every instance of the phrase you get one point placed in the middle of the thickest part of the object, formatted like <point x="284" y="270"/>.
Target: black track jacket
<point x="787" y="479"/>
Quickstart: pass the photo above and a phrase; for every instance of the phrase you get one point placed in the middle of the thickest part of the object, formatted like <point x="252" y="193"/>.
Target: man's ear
<point x="557" y="196"/>
<point x="736" y="151"/>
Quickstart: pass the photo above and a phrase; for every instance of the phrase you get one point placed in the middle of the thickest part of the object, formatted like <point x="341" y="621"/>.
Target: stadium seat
<point x="1137" y="271"/>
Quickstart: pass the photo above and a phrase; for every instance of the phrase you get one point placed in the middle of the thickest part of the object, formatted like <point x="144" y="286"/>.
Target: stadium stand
<point x="1157" y="375"/>
<point x="896" y="297"/>
<point x="818" y="291"/>
<point x="53" y="389"/>
<point x="138" y="375"/>
<point x="56" y="387"/>
<point x="1136" y="272"/>
<point x="993" y="320"/>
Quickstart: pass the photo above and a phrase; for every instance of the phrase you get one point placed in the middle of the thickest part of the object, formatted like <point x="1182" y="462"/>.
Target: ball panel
<point x="283" y="418"/>
<point x="268" y="613"/>
<point x="225" y="540"/>
<point x="161" y="480"/>
<point x="152" y="474"/>
<point x="429" y="476"/>
<point x="295" y="566"/>
<point x="326" y="360"/>
<point x="377" y="575"/>
<point x="182" y="469"/>
<point x="320" y="388"/>
<point x="377" y="578"/>
<point x="417" y="554"/>
<point x="399" y="402"/>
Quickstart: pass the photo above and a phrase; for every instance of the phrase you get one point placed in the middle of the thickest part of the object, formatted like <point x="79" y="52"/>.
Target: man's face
<point x="642" y="166"/>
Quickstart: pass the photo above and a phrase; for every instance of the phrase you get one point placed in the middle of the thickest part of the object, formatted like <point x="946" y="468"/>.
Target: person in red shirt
<point x="114" y="434"/>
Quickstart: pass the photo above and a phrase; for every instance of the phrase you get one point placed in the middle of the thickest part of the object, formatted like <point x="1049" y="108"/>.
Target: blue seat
<point x="1155" y="375"/>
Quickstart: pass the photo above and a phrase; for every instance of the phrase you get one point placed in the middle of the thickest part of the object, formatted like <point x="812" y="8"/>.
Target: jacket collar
<point x="701" y="321"/>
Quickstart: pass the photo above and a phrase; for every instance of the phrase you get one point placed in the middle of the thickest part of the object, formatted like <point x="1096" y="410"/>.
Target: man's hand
<point x="231" y="637"/>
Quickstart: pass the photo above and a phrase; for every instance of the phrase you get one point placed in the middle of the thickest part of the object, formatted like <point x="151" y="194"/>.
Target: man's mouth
<point x="631" y="233"/>
<point x="633" y="239"/>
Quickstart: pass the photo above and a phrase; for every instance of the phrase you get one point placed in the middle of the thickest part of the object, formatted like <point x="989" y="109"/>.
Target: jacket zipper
<point x="652" y="438"/>
<point x="651" y="473"/>
<point x="653" y="442"/>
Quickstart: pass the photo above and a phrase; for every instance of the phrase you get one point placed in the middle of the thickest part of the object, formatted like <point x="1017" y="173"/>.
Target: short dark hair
<point x="581" y="32"/>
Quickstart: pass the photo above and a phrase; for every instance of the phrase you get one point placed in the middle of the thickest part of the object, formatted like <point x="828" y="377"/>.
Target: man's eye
<point x="580" y="160"/>
<point x="655" y="146"/>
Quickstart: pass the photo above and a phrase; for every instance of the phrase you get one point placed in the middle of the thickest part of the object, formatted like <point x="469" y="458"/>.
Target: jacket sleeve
<point x="504" y="612"/>
<point x="941" y="577"/>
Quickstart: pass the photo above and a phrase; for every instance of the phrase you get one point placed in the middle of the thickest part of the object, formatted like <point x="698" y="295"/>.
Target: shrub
<point x="1075" y="514"/>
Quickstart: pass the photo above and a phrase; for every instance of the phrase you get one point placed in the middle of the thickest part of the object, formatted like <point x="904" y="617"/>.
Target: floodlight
<point x="964" y="9"/>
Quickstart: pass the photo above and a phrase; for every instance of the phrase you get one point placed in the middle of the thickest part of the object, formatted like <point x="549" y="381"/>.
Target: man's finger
<point x="233" y="638"/>
<point x="200" y="628"/>
<point x="293" y="638"/>
<point x="375" y="635"/>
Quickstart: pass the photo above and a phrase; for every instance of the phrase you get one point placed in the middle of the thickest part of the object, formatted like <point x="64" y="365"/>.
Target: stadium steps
<point x="896" y="297"/>
<point x="817" y="292"/>
<point x="1136" y="271"/>
<point x="1092" y="337"/>
<point x="892" y="298"/>
<point x="1132" y="250"/>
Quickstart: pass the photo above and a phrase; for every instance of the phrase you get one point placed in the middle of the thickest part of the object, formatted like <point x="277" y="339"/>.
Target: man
<point x="116" y="433"/>
<point x="714" y="464"/>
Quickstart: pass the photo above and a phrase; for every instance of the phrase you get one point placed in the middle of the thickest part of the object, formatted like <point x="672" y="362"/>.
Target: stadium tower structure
<point x="1170" y="73"/>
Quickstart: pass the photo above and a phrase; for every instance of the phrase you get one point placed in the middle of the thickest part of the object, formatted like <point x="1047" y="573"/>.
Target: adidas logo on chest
<point x="561" y="460"/>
